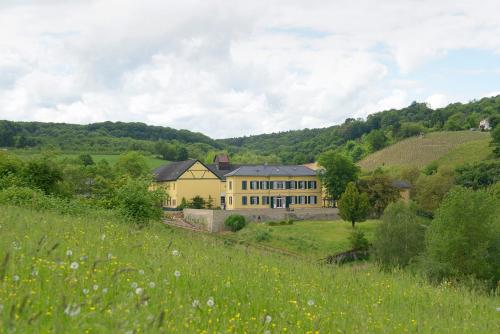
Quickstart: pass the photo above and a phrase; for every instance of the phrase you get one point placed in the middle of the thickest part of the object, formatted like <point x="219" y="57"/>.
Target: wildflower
<point x="134" y="285"/>
<point x="196" y="303"/>
<point x="69" y="252"/>
<point x="105" y="290"/>
<point x="85" y="291"/>
<point x="177" y="273"/>
<point x="15" y="278"/>
<point x="139" y="291"/>
<point x="72" y="310"/>
<point x="110" y="256"/>
<point x="210" y="302"/>
<point x="74" y="265"/>
<point x="152" y="285"/>
<point x="141" y="272"/>
<point x="34" y="273"/>
<point x="268" y="319"/>
<point x="95" y="287"/>
<point x="175" y="252"/>
<point x="310" y="302"/>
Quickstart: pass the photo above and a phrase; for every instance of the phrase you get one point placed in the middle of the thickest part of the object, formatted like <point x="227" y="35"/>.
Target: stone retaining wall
<point x="213" y="220"/>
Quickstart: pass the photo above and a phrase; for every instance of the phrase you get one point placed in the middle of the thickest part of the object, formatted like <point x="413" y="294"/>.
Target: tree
<point x="464" y="237"/>
<point x="478" y="175"/>
<point x="495" y="141"/>
<point x="132" y="164"/>
<point x="380" y="191"/>
<point x="430" y="190"/>
<point x="138" y="204"/>
<point x="399" y="238"/>
<point x="339" y="171"/>
<point x="43" y="173"/>
<point x="353" y="206"/>
<point x="376" y="139"/>
<point x="86" y="159"/>
<point x="210" y="202"/>
<point x="197" y="202"/>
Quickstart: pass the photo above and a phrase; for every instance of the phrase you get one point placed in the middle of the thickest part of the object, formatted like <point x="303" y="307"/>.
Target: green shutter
<point x="272" y="201"/>
<point x="244" y="185"/>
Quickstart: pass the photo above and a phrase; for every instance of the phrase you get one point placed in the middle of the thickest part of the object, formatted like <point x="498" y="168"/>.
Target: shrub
<point x="464" y="238"/>
<point x="399" y="238"/>
<point x="197" y="202"/>
<point x="263" y="236"/>
<point x="353" y="206"/>
<point x="21" y="196"/>
<point x="282" y="222"/>
<point x="235" y="222"/>
<point x="358" y="240"/>
<point x="137" y="204"/>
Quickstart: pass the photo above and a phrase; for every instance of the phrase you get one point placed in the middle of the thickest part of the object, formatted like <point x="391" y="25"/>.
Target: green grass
<point x="419" y="152"/>
<point x="311" y="239"/>
<point x="470" y="152"/>
<point x="40" y="292"/>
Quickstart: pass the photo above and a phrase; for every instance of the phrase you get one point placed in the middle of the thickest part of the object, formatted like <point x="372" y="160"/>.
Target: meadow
<point x="309" y="239"/>
<point x="91" y="274"/>
<point x="454" y="148"/>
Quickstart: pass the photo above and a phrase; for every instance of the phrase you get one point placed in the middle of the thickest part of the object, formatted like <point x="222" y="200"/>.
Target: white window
<point x="301" y="185"/>
<point x="263" y="184"/>
<point x="302" y="199"/>
<point x="279" y="185"/>
<point x="254" y="200"/>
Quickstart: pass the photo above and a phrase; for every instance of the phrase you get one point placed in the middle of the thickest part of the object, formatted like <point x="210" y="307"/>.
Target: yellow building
<point x="264" y="186"/>
<point x="239" y="187"/>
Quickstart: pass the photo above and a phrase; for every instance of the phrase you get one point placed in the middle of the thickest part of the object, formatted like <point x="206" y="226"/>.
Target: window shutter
<point x="257" y="197"/>
<point x="244" y="200"/>
<point x="244" y="185"/>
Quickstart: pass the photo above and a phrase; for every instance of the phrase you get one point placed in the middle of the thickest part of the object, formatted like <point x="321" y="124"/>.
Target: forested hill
<point x="113" y="136"/>
<point x="358" y="137"/>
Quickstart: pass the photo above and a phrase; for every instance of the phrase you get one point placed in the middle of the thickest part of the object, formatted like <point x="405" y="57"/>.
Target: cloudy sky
<point x="231" y="68"/>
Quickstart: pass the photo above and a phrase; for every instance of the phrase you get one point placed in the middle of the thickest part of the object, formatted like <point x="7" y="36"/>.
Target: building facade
<point x="234" y="187"/>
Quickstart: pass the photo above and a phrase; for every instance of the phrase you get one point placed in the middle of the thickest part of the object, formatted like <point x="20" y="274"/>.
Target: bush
<point x="280" y="223"/>
<point x="263" y="236"/>
<point x="235" y="222"/>
<point x="399" y="238"/>
<point x="464" y="238"/>
<point x="358" y="240"/>
<point x="137" y="204"/>
<point x="21" y="196"/>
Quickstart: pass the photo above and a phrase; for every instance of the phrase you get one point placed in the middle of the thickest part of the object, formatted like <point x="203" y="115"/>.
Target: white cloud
<point x="227" y="68"/>
<point x="438" y="100"/>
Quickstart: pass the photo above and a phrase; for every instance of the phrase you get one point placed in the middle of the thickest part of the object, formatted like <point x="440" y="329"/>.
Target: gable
<point x="198" y="171"/>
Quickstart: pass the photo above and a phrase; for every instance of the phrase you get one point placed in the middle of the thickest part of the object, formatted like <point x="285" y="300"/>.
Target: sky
<point x="233" y="68"/>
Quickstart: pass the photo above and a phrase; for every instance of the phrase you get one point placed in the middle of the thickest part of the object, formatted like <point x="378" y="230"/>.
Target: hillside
<point x="96" y="274"/>
<point x="450" y="148"/>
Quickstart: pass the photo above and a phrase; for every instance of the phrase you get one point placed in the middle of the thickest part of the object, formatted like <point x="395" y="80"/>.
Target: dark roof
<point x="173" y="170"/>
<point x="272" y="170"/>
<point x="401" y="184"/>
<point x="221" y="173"/>
<point x="221" y="158"/>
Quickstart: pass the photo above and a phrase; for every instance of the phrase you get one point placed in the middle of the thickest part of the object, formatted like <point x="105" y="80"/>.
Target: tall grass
<point x="76" y="275"/>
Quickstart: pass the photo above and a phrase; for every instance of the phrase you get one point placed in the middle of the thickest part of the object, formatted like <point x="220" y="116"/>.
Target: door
<point x="279" y="202"/>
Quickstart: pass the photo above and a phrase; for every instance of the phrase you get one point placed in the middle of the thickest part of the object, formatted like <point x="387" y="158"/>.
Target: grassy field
<point x="91" y="275"/>
<point x="419" y="152"/>
<point x="311" y="239"/>
<point x="152" y="161"/>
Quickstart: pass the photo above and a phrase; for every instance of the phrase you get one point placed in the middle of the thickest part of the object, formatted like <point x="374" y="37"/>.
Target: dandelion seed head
<point x="141" y="272"/>
<point x="152" y="285"/>
<point x="139" y="291"/>
<point x="110" y="256"/>
<point x="195" y="303"/>
<point x="83" y="258"/>
<point x="34" y="273"/>
<point x="85" y="291"/>
<point x="268" y="319"/>
<point x="69" y="252"/>
<point x="310" y="302"/>
<point x="74" y="265"/>
<point x="103" y="236"/>
<point x="210" y="302"/>
<point x="134" y="285"/>
<point x="72" y="310"/>
<point x="95" y="287"/>
<point x="175" y="252"/>
<point x="177" y="273"/>
<point x="498" y="309"/>
<point x="105" y="290"/>
<point x="15" y="278"/>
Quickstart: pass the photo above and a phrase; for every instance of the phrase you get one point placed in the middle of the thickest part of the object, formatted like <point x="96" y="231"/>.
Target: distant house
<point x="404" y="189"/>
<point x="484" y="125"/>
<point x="239" y="186"/>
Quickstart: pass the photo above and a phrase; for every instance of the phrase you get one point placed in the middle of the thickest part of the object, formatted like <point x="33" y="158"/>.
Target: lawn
<point x="95" y="275"/>
<point x="419" y="152"/>
<point x="310" y="239"/>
